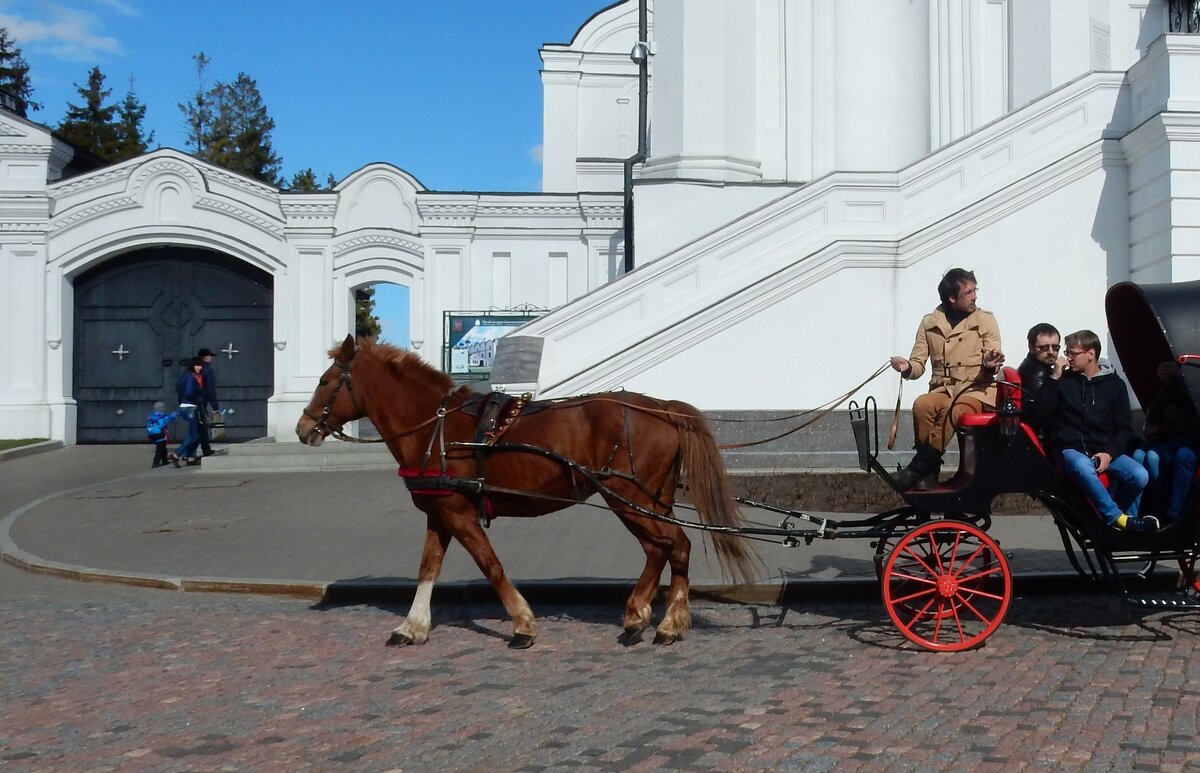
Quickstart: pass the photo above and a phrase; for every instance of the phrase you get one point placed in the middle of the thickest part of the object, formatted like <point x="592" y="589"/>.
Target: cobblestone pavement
<point x="98" y="677"/>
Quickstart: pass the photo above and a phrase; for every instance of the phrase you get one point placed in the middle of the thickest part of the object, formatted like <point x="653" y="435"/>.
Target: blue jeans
<point x="1126" y="478"/>
<point x="188" y="447"/>
<point x="1178" y="457"/>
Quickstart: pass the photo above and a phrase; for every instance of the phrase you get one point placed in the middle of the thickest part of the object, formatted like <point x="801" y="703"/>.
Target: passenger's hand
<point x="901" y="364"/>
<point x="993" y="358"/>
<point x="1102" y="461"/>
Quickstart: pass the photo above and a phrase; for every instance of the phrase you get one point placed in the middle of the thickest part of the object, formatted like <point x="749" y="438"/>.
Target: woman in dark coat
<point x="191" y="401"/>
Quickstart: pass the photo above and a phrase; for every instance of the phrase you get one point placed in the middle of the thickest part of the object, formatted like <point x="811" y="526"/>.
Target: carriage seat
<point x="1009" y="388"/>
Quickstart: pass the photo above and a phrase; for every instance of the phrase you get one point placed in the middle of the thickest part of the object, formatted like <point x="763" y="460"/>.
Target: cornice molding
<point x="394" y="241"/>
<point x="245" y="214"/>
<point x="106" y="206"/>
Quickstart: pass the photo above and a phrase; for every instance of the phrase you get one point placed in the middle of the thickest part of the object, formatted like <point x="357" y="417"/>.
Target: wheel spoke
<point x="975" y="592"/>
<point x="983" y="618"/>
<point x="921" y="561"/>
<point x="949" y="568"/>
<point x="911" y="596"/>
<point x="980" y="575"/>
<point x="914" y="578"/>
<point x="967" y="561"/>
<point x="919" y="614"/>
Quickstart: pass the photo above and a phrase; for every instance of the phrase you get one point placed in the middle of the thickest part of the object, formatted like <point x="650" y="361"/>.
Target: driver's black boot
<point x="922" y="472"/>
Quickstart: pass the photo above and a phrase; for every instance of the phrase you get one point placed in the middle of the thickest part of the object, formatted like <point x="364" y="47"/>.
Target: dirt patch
<point x="846" y="492"/>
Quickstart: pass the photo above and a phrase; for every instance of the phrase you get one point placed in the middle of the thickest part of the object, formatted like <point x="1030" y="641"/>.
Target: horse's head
<point x="333" y="403"/>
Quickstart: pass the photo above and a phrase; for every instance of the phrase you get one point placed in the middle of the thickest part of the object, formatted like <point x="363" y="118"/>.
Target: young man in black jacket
<point x="1036" y="370"/>
<point x="1089" y="409"/>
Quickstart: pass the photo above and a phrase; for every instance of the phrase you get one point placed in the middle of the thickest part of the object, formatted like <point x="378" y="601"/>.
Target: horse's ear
<point x="348" y="349"/>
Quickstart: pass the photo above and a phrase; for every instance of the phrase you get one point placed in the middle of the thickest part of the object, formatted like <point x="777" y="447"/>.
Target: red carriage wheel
<point x="947" y="586"/>
<point x="883" y="549"/>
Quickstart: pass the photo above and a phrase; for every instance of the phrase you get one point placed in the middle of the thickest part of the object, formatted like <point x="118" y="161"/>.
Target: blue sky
<point x="445" y="89"/>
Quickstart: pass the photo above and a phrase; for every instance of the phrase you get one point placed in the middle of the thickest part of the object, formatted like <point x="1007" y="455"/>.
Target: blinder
<point x="322" y="419"/>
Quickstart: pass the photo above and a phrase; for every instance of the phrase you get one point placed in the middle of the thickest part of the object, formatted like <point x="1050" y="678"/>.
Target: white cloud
<point x="65" y="33"/>
<point x="119" y="6"/>
<point x="535" y="154"/>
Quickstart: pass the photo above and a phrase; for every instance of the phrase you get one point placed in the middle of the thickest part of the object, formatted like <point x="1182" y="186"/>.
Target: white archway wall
<point x="449" y="252"/>
<point x="374" y="271"/>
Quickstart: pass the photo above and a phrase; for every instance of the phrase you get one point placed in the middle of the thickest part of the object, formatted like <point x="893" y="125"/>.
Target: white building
<point x="814" y="167"/>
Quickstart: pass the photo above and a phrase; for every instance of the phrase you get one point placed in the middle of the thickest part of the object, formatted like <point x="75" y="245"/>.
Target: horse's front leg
<point x="416" y="625"/>
<point x="466" y="529"/>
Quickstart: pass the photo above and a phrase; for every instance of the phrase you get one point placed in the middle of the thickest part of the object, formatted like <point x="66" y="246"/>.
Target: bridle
<point x="344" y="380"/>
<point x="322" y="419"/>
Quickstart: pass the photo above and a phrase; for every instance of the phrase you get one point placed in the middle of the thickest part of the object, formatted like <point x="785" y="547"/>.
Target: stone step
<point x="266" y="455"/>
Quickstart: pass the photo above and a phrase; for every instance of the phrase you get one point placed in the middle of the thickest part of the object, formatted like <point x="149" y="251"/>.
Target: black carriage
<point x="945" y="583"/>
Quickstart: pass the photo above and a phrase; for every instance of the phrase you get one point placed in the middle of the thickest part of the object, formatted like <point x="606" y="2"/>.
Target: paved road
<point x="108" y="677"/>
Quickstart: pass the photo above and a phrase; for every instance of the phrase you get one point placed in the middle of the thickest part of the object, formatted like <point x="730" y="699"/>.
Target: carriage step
<point x="1173" y="601"/>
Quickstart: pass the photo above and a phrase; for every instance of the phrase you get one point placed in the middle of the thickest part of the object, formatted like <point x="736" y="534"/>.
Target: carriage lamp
<point x="1010" y="419"/>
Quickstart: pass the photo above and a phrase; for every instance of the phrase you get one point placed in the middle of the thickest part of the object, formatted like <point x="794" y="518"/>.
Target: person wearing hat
<point x="209" y="377"/>
<point x="191" y="403"/>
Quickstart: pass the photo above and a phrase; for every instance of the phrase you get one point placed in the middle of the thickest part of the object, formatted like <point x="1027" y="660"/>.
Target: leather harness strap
<point x="896" y="415"/>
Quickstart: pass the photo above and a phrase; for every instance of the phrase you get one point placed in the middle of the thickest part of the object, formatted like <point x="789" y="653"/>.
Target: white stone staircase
<point x="840" y="221"/>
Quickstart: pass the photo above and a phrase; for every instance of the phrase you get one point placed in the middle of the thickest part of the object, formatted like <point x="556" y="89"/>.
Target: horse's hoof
<point x="632" y="635"/>
<point x="398" y="639"/>
<point x="665" y="638"/>
<point x="520" y="641"/>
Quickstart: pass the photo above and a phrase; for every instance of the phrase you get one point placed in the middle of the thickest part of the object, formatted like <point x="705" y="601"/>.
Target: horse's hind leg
<point x="637" y="607"/>
<point x="415" y="628"/>
<point x="662" y="543"/>
<point x="678" y="616"/>
<point x="466" y="529"/>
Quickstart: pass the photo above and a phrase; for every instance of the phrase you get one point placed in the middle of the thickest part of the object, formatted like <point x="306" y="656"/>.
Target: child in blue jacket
<point x="156" y="432"/>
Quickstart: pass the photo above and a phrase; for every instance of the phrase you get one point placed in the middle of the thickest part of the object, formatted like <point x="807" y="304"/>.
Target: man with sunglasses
<point x="1037" y="369"/>
<point x="1088" y="405"/>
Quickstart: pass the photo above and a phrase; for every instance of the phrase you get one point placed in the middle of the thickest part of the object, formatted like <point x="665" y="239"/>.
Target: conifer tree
<point x="366" y="323"/>
<point x="240" y="134"/>
<point x="304" y="181"/>
<point x="14" y="74"/>
<point x="92" y="125"/>
<point x="228" y="125"/>
<point x="130" y="114"/>
<point x="197" y="114"/>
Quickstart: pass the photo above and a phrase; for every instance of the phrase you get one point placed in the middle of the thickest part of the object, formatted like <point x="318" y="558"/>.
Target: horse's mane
<point x="403" y="363"/>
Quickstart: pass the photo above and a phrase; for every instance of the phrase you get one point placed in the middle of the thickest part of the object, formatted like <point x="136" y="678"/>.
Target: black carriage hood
<point x="1150" y="324"/>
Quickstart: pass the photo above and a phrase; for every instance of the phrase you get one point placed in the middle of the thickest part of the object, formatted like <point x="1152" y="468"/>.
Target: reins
<point x="821" y="412"/>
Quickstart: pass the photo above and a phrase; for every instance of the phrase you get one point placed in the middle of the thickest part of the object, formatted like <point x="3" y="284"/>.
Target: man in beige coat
<point x="961" y="343"/>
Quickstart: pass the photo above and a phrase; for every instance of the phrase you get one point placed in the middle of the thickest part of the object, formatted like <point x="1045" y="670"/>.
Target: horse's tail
<point x="707" y="486"/>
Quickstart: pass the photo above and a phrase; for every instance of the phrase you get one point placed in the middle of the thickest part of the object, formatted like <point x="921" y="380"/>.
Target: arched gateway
<point x="160" y="306"/>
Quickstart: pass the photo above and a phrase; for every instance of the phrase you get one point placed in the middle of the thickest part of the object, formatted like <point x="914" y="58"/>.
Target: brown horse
<point x="632" y="449"/>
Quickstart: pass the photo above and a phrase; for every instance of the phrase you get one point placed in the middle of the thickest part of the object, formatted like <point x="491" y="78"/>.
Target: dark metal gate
<point x="138" y="319"/>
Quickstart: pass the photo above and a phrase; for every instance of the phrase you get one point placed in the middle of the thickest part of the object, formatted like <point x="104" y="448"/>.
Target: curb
<point x="573" y="591"/>
<point x="30" y="450"/>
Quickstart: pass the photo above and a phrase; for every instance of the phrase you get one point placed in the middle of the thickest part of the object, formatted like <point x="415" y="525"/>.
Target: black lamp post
<point x="641" y="56"/>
